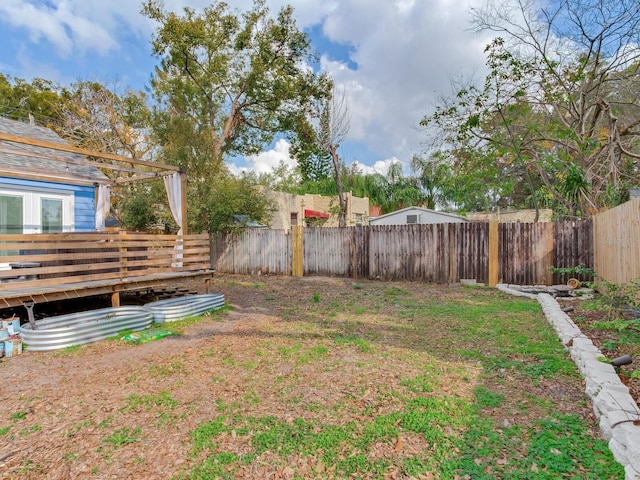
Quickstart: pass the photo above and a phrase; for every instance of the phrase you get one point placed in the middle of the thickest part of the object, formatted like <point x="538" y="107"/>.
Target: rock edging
<point x="616" y="410"/>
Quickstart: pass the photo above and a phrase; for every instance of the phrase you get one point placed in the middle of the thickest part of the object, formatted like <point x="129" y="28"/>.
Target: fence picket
<point x="437" y="253"/>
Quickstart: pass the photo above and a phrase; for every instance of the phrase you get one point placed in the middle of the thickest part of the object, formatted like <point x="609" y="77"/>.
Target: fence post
<point x="493" y="254"/>
<point x="453" y="251"/>
<point x="550" y="237"/>
<point x="297" y="254"/>
<point x="122" y="238"/>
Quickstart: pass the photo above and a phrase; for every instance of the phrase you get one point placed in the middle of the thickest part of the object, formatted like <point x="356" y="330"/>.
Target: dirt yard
<point x="72" y="413"/>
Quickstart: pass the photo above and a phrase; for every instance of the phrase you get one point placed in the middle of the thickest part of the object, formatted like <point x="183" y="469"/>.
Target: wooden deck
<point x="45" y="268"/>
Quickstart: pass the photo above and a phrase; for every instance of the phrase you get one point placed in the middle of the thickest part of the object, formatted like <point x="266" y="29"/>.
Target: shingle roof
<point x="19" y="160"/>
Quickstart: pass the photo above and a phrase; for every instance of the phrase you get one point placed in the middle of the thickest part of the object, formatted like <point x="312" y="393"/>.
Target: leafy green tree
<point x="435" y="181"/>
<point x="282" y="178"/>
<point x="229" y="196"/>
<point x="137" y="212"/>
<point x="227" y="84"/>
<point x="42" y="100"/>
<point x="559" y="111"/>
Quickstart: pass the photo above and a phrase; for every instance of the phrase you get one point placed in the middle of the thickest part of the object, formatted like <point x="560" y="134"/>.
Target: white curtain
<point x="173" y="185"/>
<point x="103" y="206"/>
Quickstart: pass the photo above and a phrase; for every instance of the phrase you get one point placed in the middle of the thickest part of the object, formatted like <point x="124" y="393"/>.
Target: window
<point x="412" y="218"/>
<point x="23" y="211"/>
<point x="294" y="219"/>
<point x="10" y="218"/>
<point x="359" y="219"/>
<point x="51" y="215"/>
<point x="11" y="214"/>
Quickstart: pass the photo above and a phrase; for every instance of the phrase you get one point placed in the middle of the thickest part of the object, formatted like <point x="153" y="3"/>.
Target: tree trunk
<point x="342" y="215"/>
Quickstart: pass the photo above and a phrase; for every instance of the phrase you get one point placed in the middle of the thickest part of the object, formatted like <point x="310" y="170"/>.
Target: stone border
<point x="617" y="411"/>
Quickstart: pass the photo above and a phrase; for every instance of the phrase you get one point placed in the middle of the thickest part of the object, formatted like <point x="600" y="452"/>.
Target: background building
<point x="315" y="210"/>
<point x="410" y="215"/>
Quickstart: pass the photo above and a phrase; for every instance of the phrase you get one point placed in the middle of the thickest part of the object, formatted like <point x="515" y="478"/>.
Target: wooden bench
<point x="73" y="265"/>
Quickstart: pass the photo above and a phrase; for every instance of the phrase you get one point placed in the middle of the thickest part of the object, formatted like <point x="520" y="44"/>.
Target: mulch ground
<point x="60" y="406"/>
<point x="608" y="340"/>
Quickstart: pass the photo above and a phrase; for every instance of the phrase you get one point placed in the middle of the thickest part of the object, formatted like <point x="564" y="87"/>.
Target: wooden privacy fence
<point x="617" y="243"/>
<point x="439" y="253"/>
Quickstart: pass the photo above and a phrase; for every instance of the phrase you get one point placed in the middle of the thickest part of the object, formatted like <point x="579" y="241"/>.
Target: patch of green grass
<point x="250" y="365"/>
<point x="178" y="327"/>
<point x="28" y="467"/>
<point x="4" y="430"/>
<point x="32" y="429"/>
<point x="287" y="352"/>
<point x="74" y="349"/>
<point x="553" y="447"/>
<point x="217" y="465"/>
<point x="79" y="426"/>
<point x="344" y="445"/>
<point x="167" y="369"/>
<point x="147" y="402"/>
<point x="487" y="398"/>
<point x="317" y="352"/>
<point x="251" y="397"/>
<point x="123" y="436"/>
<point x="106" y="423"/>
<point x="420" y="384"/>
<point x="71" y="457"/>
<point x="395" y="291"/>
<point x="18" y="416"/>
<point x="633" y="374"/>
<point x="316" y="298"/>
<point x="362" y="345"/>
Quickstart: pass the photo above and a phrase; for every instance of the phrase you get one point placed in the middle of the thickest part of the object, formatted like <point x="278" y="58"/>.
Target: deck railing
<point x="46" y="260"/>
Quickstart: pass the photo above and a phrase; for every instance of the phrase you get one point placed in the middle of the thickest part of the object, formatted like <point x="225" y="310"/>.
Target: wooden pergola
<point x="68" y="265"/>
<point x="138" y="170"/>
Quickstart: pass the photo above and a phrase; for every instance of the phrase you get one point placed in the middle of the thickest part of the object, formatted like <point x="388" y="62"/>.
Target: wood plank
<point x="297" y="267"/>
<point x="65" y="291"/>
<point x="494" y="270"/>
<point x="84" y="151"/>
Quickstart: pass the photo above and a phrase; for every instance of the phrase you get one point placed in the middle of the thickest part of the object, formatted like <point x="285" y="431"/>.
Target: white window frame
<point x="31" y="207"/>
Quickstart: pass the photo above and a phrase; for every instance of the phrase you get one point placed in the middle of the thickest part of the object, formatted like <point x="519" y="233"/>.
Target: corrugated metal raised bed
<point x="84" y="327"/>
<point x="178" y="308"/>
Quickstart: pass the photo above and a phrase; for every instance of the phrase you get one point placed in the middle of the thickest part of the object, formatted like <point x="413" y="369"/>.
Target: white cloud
<point x="403" y="54"/>
<point x="381" y="166"/>
<point x="406" y="52"/>
<point x="267" y="161"/>
<point x="59" y="24"/>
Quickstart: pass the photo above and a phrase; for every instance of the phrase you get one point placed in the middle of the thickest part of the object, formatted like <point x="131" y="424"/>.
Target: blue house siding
<point x="84" y="198"/>
<point x="85" y="209"/>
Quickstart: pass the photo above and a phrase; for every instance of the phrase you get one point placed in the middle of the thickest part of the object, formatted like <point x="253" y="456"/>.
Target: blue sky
<point x="394" y="59"/>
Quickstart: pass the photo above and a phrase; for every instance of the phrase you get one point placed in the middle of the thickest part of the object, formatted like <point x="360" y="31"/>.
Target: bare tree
<point x="331" y="129"/>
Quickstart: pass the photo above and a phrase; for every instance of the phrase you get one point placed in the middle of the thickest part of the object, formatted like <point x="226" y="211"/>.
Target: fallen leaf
<point x="398" y="446"/>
